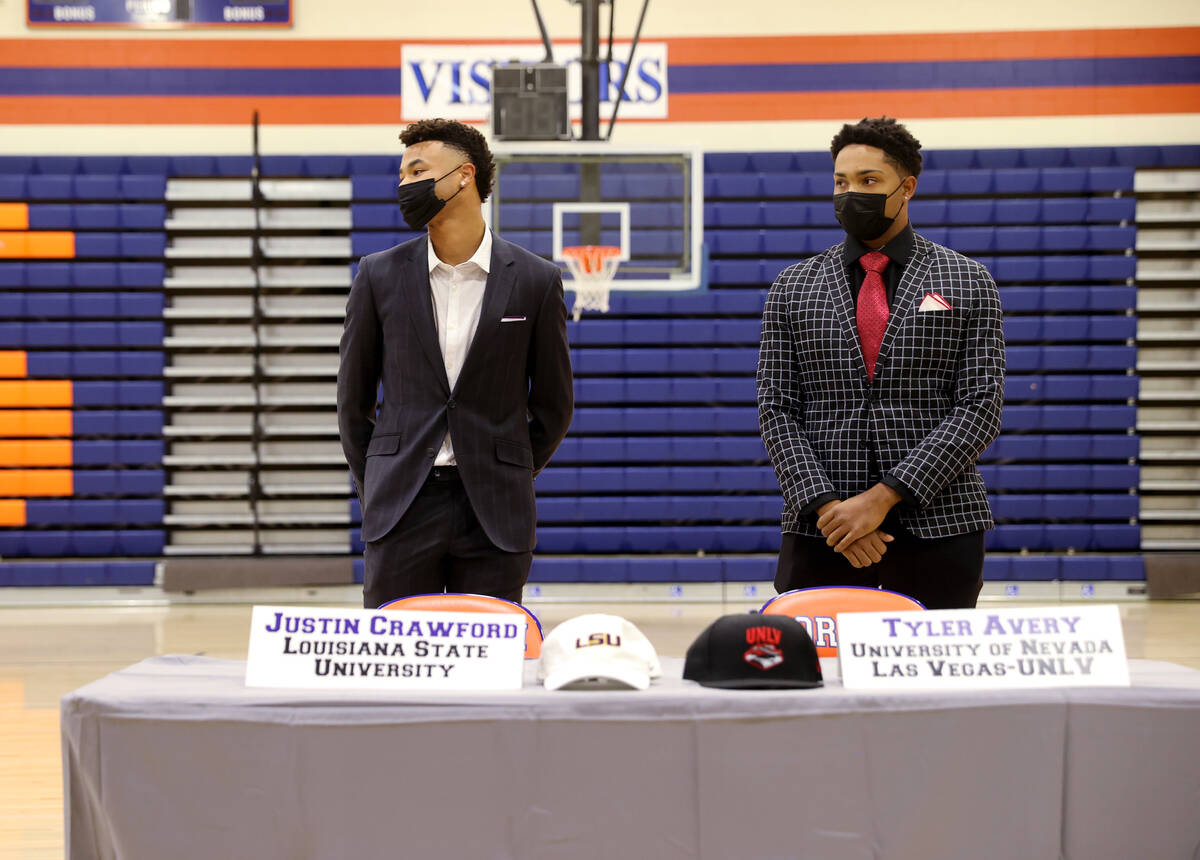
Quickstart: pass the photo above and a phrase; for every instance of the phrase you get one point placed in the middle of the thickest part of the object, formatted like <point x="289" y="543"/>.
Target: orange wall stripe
<point x="684" y="107"/>
<point x="14" y="216"/>
<point x="30" y="392"/>
<point x="24" y="423"/>
<point x="13" y="363"/>
<point x="385" y="53"/>
<point x="35" y="483"/>
<point x="12" y="512"/>
<point x="1038" y="101"/>
<point x="36" y="452"/>
<point x="201" y="110"/>
<point x="40" y="244"/>
<point x="931" y="47"/>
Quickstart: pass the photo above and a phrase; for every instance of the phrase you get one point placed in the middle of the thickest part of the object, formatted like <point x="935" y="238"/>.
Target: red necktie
<point x="872" y="308"/>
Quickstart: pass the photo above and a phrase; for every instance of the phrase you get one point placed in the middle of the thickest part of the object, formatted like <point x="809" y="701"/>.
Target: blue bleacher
<point x="1093" y="568"/>
<point x="80" y="334"/>
<point x="93" y="512"/>
<point x="119" y="482"/>
<point x="75" y="365"/>
<point x="81" y="542"/>
<point x="82" y="275"/>
<point x="967" y="240"/>
<point x="118" y="393"/>
<point x="117" y="452"/>
<point x="664" y="453"/>
<point x="81" y="305"/>
<point x="732" y="568"/>
<point x="127" y="422"/>
<point x="57" y="574"/>
<point x="380" y="186"/>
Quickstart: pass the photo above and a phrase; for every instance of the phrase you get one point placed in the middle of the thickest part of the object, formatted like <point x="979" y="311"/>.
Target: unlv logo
<point x="763" y="656"/>
<point x="764" y="634"/>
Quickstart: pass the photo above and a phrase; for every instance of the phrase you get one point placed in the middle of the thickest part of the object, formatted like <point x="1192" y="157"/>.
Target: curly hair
<point x="900" y="148"/>
<point x="467" y="140"/>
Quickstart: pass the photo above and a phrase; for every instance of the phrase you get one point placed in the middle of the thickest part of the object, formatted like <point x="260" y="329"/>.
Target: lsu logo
<point x="455" y="81"/>
<point x="599" y="639"/>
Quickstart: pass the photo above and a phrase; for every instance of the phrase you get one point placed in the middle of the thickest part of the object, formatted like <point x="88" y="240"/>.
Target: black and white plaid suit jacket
<point x="934" y="405"/>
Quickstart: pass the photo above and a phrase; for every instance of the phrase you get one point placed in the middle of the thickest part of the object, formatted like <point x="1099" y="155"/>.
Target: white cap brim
<point x="580" y="670"/>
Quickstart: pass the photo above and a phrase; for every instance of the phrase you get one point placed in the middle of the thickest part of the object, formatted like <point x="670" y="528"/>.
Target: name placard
<point x="1059" y="646"/>
<point x="340" y="649"/>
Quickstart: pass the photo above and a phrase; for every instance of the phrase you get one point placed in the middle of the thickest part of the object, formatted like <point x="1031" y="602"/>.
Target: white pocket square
<point x="934" y="302"/>
<point x="512" y="319"/>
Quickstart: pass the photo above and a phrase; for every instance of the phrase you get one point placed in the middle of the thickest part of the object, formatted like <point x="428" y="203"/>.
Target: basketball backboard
<point x="649" y="203"/>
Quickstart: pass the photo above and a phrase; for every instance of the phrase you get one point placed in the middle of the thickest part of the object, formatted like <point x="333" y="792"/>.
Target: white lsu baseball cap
<point x="594" y="650"/>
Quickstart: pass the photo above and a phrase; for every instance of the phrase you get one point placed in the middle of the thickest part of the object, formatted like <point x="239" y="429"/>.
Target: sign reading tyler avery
<point x="1057" y="646"/>
<point x="313" y="647"/>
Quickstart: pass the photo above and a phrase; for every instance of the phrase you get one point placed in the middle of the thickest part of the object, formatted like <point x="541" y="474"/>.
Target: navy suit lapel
<point x="843" y="304"/>
<point x="501" y="279"/>
<point x="418" y="297"/>
<point x="905" y="301"/>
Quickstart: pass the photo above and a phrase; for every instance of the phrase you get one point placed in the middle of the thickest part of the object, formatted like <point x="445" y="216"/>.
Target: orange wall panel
<point x="25" y="423"/>
<point x="12" y="512"/>
<point x="13" y="363"/>
<point x="37" y="482"/>
<point x="29" y="392"/>
<point x="14" y="244"/>
<point x="39" y="244"/>
<point x="14" y="216"/>
<point x="50" y="244"/>
<point x="35" y="452"/>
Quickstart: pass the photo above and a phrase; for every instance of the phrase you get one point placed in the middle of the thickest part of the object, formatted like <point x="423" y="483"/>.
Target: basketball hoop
<point x="593" y="267"/>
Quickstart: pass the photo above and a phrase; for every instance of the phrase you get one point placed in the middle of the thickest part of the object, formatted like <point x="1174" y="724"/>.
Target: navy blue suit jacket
<point x="506" y="415"/>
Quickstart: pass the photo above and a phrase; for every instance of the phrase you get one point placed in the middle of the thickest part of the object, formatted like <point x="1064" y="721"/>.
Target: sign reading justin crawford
<point x="1056" y="646"/>
<point x="293" y="646"/>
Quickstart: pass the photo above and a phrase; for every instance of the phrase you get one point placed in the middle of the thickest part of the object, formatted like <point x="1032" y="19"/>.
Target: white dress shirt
<point x="457" y="293"/>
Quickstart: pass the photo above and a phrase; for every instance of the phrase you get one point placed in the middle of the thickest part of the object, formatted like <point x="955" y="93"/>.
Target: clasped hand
<point x="851" y="527"/>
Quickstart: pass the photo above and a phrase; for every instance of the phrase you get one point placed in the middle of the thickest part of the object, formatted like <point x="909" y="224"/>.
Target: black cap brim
<point x="754" y="684"/>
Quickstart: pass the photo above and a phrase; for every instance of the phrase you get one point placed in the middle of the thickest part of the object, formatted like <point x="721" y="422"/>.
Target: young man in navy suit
<point x="467" y="334"/>
<point x="880" y="382"/>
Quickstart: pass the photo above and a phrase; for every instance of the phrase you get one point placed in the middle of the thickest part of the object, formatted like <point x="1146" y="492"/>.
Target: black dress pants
<point x="438" y="546"/>
<point x="942" y="573"/>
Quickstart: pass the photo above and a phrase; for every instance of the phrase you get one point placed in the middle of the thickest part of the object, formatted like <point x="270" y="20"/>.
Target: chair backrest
<point x="818" y="608"/>
<point x="474" y="603"/>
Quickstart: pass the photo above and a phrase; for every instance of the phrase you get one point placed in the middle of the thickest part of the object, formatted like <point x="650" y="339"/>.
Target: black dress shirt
<point x="899" y="250"/>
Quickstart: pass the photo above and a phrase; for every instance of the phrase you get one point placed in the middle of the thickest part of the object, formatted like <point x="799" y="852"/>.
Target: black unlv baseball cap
<point x="754" y="651"/>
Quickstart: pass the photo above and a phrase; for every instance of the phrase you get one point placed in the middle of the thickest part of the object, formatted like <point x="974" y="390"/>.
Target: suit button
<point x="429" y="452"/>
<point x="452" y="403"/>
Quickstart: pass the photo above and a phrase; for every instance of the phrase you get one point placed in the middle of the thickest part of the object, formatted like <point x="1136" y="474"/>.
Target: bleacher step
<point x="1166" y="181"/>
<point x="181" y="219"/>
<point x="1171" y="544"/>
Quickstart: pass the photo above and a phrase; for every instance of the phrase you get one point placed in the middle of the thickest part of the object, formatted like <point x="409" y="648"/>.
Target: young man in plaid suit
<point x="880" y="382"/>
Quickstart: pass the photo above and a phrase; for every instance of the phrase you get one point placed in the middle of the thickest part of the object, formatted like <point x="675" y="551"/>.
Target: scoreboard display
<point x="160" y="13"/>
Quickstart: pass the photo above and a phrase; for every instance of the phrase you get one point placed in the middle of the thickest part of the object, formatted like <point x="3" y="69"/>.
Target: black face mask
<point x="863" y="215"/>
<point x="419" y="202"/>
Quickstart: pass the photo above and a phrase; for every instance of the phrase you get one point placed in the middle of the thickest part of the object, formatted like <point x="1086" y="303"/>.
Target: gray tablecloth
<point x="174" y="758"/>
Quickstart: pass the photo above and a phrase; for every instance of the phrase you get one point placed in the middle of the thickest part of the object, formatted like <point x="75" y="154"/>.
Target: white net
<point x="593" y="268"/>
